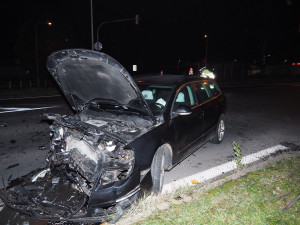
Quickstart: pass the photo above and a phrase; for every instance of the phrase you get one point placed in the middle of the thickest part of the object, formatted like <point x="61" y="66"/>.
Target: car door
<point x="187" y="128"/>
<point x="215" y="102"/>
<point x="204" y="97"/>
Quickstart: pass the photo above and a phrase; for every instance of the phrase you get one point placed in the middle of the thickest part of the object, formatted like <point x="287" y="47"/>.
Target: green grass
<point x="256" y="198"/>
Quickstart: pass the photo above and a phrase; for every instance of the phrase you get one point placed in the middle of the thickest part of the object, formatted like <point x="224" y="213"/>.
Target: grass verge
<point x="256" y="198"/>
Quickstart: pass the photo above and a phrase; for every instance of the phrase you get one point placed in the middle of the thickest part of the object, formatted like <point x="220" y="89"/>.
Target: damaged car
<point x="123" y="130"/>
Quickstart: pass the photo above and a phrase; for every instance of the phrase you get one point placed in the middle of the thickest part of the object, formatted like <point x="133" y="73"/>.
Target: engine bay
<point x="93" y="147"/>
<point x="87" y="156"/>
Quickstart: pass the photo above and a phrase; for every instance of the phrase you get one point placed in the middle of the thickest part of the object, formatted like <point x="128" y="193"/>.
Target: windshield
<point x="109" y="105"/>
<point x="157" y="96"/>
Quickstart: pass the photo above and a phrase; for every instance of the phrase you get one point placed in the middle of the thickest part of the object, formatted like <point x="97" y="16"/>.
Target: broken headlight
<point x="118" y="165"/>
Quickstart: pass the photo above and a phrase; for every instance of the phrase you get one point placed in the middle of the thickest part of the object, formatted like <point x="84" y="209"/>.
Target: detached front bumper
<point x="113" y="193"/>
<point x="55" y="198"/>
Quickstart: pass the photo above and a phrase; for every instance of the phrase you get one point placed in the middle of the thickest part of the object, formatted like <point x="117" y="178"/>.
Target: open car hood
<point x="84" y="75"/>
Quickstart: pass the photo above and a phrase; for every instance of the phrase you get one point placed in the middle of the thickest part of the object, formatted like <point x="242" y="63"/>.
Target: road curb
<point x="221" y="169"/>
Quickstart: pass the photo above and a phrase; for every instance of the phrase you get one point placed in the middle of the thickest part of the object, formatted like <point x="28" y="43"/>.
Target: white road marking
<point x="221" y="169"/>
<point x="11" y="109"/>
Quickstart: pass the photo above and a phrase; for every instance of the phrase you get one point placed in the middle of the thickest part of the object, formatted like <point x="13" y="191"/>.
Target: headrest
<point x="148" y="95"/>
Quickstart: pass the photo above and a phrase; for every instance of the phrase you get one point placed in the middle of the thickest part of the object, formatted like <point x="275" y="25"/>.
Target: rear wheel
<point x="220" y="131"/>
<point x="158" y="170"/>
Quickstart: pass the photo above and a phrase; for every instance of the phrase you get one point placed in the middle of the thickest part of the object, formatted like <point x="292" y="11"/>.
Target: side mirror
<point x="183" y="110"/>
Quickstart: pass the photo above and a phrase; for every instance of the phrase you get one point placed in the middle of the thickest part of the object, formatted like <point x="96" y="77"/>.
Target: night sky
<point x="168" y="31"/>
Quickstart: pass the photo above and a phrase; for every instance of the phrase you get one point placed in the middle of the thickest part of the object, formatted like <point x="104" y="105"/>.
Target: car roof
<point x="168" y="79"/>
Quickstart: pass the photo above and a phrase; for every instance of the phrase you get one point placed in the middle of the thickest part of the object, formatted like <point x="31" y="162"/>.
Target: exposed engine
<point x="92" y="148"/>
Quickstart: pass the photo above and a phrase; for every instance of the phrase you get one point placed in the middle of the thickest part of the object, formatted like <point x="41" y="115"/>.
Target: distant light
<point x="49" y="24"/>
<point x="207" y="74"/>
<point x="136" y="19"/>
<point x="134" y="68"/>
<point x="205" y="36"/>
<point x="269" y="55"/>
<point x="66" y="40"/>
<point x="296" y="64"/>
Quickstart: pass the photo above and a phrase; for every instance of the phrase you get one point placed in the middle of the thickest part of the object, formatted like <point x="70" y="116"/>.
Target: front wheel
<point x="158" y="170"/>
<point x="220" y="131"/>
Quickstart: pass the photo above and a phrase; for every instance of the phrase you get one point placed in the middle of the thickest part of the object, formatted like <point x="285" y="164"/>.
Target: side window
<point x="186" y="96"/>
<point x="214" y="88"/>
<point x="202" y="92"/>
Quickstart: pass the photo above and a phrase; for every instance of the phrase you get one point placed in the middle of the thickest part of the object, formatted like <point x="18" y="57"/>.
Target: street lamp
<point x="206" y="46"/>
<point x="36" y="49"/>
<point x="136" y="18"/>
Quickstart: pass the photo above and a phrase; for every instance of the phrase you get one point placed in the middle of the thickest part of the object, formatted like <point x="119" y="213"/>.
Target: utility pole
<point x="92" y="25"/>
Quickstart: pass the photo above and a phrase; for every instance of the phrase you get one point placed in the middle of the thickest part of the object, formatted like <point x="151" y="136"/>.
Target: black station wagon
<point x="123" y="129"/>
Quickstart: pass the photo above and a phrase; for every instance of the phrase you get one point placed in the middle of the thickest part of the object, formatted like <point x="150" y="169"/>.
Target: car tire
<point x="158" y="170"/>
<point x="220" y="131"/>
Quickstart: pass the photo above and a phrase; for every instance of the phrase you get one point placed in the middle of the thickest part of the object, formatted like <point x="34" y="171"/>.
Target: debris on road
<point x="55" y="180"/>
<point x="12" y="166"/>
<point x="42" y="147"/>
<point x="41" y="174"/>
<point x="1" y="205"/>
<point x="2" y="124"/>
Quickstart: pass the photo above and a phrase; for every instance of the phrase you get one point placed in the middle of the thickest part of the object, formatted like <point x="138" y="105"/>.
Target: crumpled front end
<point x="90" y="172"/>
<point x="89" y="148"/>
<point x="55" y="196"/>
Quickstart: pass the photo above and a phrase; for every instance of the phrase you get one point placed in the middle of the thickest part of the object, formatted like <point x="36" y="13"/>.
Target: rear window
<point x="202" y="92"/>
<point x="214" y="88"/>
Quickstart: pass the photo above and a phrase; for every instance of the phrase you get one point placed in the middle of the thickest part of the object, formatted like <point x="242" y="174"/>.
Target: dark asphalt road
<point x="257" y="118"/>
<point x="23" y="133"/>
